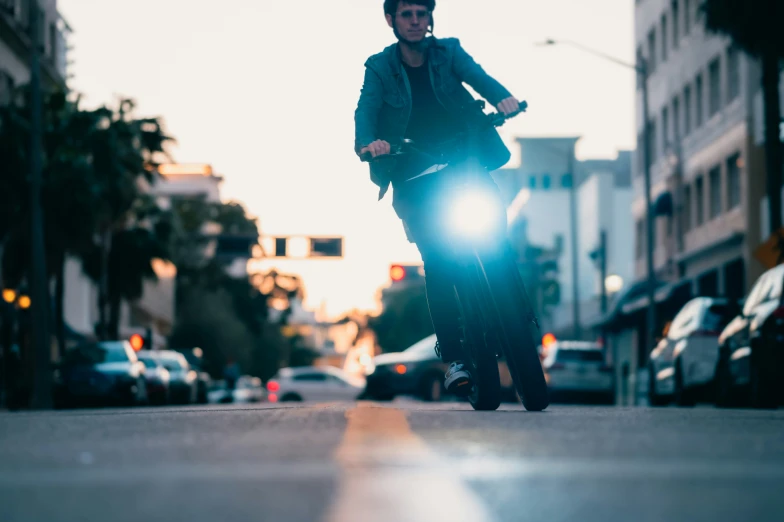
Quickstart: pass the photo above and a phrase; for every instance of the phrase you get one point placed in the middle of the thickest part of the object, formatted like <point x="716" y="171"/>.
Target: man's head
<point x="410" y="19"/>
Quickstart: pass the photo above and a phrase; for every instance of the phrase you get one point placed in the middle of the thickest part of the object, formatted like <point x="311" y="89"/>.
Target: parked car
<point x="682" y="367"/>
<point x="314" y="383"/>
<point x="417" y="371"/>
<point x="750" y="368"/>
<point x="100" y="374"/>
<point x="248" y="389"/>
<point x="156" y="376"/>
<point x="576" y="370"/>
<point x="183" y="387"/>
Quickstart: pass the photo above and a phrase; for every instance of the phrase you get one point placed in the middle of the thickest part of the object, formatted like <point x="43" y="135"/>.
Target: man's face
<point x="411" y="21"/>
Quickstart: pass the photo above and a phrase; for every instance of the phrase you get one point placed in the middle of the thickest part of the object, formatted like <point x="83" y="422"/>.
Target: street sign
<point x="771" y="252"/>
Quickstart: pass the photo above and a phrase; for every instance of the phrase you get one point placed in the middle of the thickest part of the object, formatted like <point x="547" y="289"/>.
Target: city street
<point x="402" y="461"/>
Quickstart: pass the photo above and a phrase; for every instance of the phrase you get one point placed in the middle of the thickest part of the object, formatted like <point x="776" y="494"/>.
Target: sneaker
<point x="457" y="379"/>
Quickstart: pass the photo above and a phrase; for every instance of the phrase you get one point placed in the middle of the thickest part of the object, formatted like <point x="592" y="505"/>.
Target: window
<point x="714" y="87"/>
<point x="687" y="16"/>
<point x="310" y="377"/>
<point x="676" y="118"/>
<point x="652" y="51"/>
<point x="686" y="216"/>
<point x="699" y="195"/>
<point x="664" y="41"/>
<point x="698" y="100"/>
<point x="676" y="35"/>
<point x="546" y="182"/>
<point x="687" y="110"/>
<point x="638" y="60"/>
<point x="669" y="226"/>
<point x="532" y="182"/>
<point x="733" y="73"/>
<point x="566" y="181"/>
<point x="665" y="124"/>
<point x="734" y="163"/>
<point x="714" y="178"/>
<point x="754" y="296"/>
<point x="639" y="239"/>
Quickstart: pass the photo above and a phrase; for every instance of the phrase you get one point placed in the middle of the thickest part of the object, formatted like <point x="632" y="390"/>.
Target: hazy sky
<point x="265" y="91"/>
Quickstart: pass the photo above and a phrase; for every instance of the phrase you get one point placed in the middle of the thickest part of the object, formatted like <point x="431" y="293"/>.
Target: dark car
<point x="100" y="374"/>
<point x="157" y="378"/>
<point x="750" y="368"/>
<point x="183" y="386"/>
<point x="416" y="371"/>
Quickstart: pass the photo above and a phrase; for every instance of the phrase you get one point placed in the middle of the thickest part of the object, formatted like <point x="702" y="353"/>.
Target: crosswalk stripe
<point x="374" y="485"/>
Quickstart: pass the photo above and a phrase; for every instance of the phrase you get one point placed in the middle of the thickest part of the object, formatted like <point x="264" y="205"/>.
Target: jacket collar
<point x="434" y="56"/>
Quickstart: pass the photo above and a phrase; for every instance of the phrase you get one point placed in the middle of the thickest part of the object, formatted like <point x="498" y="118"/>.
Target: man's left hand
<point x="509" y="106"/>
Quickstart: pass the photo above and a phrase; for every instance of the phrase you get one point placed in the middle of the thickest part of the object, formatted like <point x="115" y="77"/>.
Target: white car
<point x="577" y="369"/>
<point x="248" y="389"/>
<point x="314" y="383"/>
<point x="684" y="363"/>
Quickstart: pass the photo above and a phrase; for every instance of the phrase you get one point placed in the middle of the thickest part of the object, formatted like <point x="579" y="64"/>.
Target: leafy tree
<point x="404" y="320"/>
<point x="755" y="26"/>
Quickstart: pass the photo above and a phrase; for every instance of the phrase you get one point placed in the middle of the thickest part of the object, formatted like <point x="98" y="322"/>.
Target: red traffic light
<point x="137" y="342"/>
<point x="397" y="273"/>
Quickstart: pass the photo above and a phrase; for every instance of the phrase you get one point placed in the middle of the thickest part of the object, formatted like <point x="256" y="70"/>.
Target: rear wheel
<point x="514" y="326"/>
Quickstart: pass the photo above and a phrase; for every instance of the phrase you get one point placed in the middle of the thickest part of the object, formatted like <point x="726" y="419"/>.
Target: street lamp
<point x="642" y="70"/>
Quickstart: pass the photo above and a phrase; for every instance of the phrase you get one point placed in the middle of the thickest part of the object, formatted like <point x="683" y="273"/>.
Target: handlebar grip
<point x="366" y="157"/>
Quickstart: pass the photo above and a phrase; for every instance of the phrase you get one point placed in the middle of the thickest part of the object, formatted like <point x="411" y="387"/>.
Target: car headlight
<point x="474" y="213"/>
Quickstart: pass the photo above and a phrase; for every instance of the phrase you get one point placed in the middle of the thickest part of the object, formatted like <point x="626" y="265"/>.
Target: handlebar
<point x="494" y="119"/>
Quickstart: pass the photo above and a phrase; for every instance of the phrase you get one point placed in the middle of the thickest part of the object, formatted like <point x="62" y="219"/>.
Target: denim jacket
<point x="384" y="106"/>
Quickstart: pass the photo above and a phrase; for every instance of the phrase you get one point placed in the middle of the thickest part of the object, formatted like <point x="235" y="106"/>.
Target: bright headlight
<point x="473" y="213"/>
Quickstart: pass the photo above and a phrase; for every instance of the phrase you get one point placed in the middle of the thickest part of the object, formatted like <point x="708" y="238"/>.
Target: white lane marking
<point x="378" y="485"/>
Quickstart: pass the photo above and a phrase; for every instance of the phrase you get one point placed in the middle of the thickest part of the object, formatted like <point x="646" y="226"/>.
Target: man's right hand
<point x="377" y="148"/>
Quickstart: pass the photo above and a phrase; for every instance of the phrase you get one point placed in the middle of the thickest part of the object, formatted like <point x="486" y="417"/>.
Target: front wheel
<point x="486" y="392"/>
<point x="514" y="328"/>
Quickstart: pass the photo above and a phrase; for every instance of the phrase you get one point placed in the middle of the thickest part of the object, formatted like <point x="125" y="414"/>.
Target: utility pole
<point x="578" y="334"/>
<point x="603" y="269"/>
<point x="642" y="70"/>
<point x="42" y="371"/>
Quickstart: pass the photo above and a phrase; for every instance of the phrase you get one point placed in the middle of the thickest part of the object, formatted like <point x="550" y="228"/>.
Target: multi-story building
<point x="540" y="196"/>
<point x="15" y="45"/>
<point x="707" y="173"/>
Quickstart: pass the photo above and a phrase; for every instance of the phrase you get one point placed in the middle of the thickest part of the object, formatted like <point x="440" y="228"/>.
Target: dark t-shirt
<point x="430" y="123"/>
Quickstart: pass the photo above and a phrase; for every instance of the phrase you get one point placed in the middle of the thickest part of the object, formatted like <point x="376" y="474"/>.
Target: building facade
<point x="707" y="172"/>
<point x="540" y="196"/>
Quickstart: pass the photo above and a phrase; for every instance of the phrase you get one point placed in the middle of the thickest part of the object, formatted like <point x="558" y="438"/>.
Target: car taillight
<point x="273" y="386"/>
<point x="272" y="397"/>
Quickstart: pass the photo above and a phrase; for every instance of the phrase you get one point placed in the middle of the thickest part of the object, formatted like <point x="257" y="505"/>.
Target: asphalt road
<point x="401" y="462"/>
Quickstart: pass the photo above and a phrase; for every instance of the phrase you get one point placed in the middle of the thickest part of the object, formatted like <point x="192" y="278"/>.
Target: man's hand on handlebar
<point x="508" y="106"/>
<point x="377" y="148"/>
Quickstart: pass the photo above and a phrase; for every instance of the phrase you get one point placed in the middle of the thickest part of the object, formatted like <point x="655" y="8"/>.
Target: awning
<point x="630" y="295"/>
<point x="662" y="294"/>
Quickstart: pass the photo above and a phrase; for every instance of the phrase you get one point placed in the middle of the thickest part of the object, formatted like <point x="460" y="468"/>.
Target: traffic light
<point x="401" y="273"/>
<point x="551" y="292"/>
<point x="141" y="342"/>
<point x="305" y="247"/>
<point x="137" y="342"/>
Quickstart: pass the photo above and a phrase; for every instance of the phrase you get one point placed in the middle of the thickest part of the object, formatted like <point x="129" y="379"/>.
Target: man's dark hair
<point x="390" y="6"/>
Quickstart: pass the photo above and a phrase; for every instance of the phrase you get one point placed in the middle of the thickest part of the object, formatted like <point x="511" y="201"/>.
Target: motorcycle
<point x="468" y="218"/>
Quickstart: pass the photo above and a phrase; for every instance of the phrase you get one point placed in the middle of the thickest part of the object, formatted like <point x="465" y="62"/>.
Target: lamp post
<point x="642" y="70"/>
